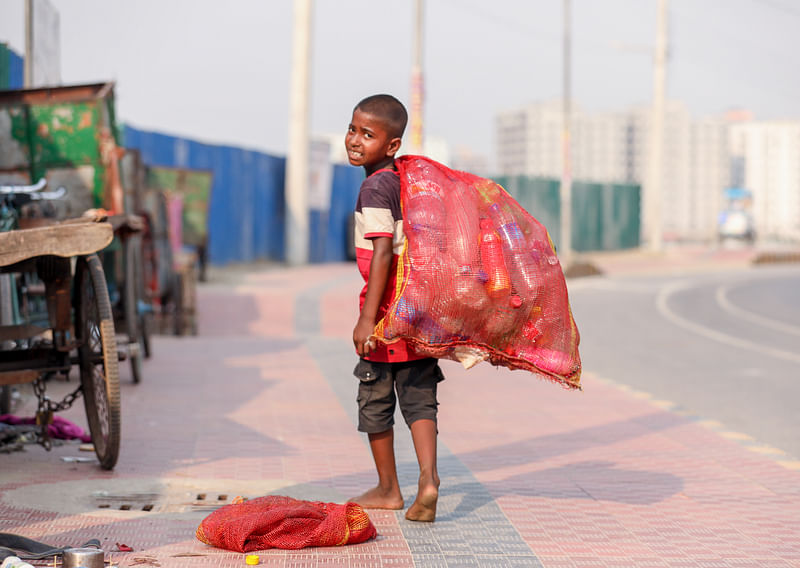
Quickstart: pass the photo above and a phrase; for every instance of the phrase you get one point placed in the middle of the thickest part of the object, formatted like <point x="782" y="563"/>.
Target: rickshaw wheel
<point x="97" y="354"/>
<point x="145" y="323"/>
<point x="149" y="269"/>
<point x="133" y="322"/>
<point x="5" y="399"/>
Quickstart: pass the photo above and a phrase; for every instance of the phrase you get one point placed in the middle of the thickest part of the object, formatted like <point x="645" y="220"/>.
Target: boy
<point x="373" y="138"/>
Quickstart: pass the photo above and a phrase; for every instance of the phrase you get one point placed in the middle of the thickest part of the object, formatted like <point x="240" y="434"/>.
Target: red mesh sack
<point x="283" y="522"/>
<point x="478" y="279"/>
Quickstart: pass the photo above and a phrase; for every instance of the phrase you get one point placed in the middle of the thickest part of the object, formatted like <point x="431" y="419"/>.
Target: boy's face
<point x="368" y="141"/>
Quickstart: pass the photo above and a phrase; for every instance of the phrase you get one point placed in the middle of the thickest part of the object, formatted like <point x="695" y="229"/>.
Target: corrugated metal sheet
<point x="604" y="216"/>
<point x="330" y="234"/>
<point x="12" y="68"/>
<point x="246" y="217"/>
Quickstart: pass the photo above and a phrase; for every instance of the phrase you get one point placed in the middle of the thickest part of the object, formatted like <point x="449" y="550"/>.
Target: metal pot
<point x="83" y="558"/>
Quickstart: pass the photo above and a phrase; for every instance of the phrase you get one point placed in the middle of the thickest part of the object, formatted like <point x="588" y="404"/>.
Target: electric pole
<point x="417" y="83"/>
<point x="654" y="193"/>
<point x="28" y="69"/>
<point x="565" y="248"/>
<point x="297" y="172"/>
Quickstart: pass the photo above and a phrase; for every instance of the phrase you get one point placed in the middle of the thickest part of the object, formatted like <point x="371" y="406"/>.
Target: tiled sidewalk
<point x="263" y="401"/>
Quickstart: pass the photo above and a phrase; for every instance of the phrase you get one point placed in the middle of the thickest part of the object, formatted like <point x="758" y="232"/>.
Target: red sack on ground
<point x="478" y="279"/>
<point x="283" y="522"/>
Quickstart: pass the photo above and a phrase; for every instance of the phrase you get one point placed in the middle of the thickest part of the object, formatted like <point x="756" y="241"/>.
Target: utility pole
<point x="417" y="83"/>
<point x="654" y="193"/>
<point x="565" y="248"/>
<point x="6" y="307"/>
<point x="28" y="70"/>
<point x="297" y="171"/>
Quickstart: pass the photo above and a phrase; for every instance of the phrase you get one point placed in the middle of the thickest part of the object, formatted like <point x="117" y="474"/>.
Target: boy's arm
<point x="379" y="268"/>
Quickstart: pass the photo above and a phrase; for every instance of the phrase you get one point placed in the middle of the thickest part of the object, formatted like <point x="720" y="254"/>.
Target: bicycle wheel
<point x="133" y="272"/>
<point x="97" y="354"/>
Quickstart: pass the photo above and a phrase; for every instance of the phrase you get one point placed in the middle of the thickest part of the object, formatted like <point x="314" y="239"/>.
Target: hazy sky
<point x="219" y="71"/>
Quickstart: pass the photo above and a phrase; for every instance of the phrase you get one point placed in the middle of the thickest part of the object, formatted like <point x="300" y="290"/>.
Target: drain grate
<point x="134" y="501"/>
<point x="149" y="501"/>
<point x="205" y="503"/>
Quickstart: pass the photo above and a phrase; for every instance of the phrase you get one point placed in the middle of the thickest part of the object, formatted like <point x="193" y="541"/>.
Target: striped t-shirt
<point x="378" y="214"/>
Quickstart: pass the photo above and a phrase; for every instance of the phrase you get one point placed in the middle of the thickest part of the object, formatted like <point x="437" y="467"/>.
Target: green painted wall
<point x="61" y="134"/>
<point x="5" y="66"/>
<point x="194" y="187"/>
<point x="604" y="216"/>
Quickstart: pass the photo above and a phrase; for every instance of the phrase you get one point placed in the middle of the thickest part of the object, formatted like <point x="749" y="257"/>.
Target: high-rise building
<point x="613" y="147"/>
<point x="766" y="156"/>
<point x="695" y="170"/>
<point x="709" y="173"/>
<point x="529" y="140"/>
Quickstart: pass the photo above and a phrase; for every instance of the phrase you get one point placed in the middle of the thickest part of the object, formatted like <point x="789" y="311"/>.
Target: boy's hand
<point x="362" y="340"/>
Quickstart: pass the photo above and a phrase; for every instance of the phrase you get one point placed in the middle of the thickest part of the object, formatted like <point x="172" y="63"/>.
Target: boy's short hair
<point x="389" y="109"/>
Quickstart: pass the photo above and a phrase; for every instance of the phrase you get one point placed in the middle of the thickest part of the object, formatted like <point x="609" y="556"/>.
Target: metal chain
<point x="46" y="405"/>
<point x="45" y="409"/>
<point x="44" y="416"/>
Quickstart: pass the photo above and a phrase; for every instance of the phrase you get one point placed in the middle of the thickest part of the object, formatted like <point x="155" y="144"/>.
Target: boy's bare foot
<point x="378" y="498"/>
<point x="424" y="506"/>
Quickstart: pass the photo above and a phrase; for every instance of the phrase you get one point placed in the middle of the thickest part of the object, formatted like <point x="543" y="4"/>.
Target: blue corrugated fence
<point x="246" y="210"/>
<point x="246" y="219"/>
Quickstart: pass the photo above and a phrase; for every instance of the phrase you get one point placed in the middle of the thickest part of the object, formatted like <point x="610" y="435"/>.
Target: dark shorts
<point x="415" y="385"/>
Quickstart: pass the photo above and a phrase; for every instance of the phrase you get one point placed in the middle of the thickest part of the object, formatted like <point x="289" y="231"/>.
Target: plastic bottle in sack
<point x="469" y="293"/>
<point x="422" y="251"/>
<point x="463" y="224"/>
<point x="498" y="283"/>
<point x="425" y="215"/>
<point x="409" y="308"/>
<point x="15" y="562"/>
<point x="445" y="309"/>
<point x="403" y="319"/>
<point x="499" y="326"/>
<point x="502" y="323"/>
<point x="519" y="258"/>
<point x="449" y="319"/>
<point x="419" y="295"/>
<point x="431" y="332"/>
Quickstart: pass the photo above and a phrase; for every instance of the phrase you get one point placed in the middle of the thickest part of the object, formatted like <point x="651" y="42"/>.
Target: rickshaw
<point x="73" y="326"/>
<point x="68" y="136"/>
<point x="177" y="203"/>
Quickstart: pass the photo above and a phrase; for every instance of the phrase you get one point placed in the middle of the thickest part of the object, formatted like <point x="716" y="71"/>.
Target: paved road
<point x="723" y="345"/>
<point x="263" y="401"/>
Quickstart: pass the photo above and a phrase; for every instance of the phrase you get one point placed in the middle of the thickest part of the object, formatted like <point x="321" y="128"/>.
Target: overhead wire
<point x="788" y="9"/>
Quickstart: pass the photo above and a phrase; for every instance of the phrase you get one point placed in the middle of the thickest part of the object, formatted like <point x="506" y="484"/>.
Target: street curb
<point x="777" y="257"/>
<point x="746" y="441"/>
